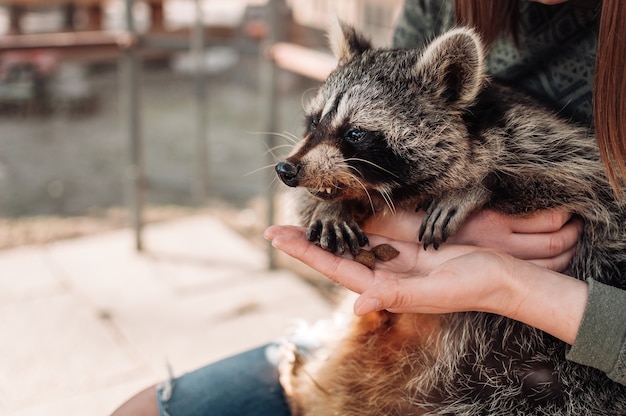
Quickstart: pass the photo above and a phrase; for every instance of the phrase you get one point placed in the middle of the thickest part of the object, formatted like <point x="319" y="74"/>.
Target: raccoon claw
<point x="436" y="227"/>
<point x="337" y="235"/>
<point x="314" y="231"/>
<point x="445" y="217"/>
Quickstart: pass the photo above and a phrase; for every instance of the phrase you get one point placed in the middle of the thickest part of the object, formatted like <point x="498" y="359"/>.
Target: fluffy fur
<point x="401" y="129"/>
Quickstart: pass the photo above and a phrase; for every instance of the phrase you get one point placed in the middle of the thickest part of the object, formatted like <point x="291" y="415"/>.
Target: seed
<point x="385" y="252"/>
<point x="366" y="258"/>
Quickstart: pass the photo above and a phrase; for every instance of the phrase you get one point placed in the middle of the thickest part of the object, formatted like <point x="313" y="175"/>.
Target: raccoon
<point x="401" y="129"/>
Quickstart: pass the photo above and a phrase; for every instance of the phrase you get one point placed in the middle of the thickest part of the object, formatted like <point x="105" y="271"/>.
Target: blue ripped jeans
<point x="244" y="384"/>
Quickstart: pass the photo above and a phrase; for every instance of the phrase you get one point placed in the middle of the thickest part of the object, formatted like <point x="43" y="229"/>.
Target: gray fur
<point x="439" y="134"/>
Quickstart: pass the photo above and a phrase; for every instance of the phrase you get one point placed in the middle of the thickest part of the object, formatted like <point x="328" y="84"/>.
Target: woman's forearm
<point x="550" y="301"/>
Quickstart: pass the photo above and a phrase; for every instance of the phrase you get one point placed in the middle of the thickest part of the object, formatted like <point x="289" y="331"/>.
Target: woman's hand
<point x="391" y="281"/>
<point x="546" y="238"/>
<point x="452" y="279"/>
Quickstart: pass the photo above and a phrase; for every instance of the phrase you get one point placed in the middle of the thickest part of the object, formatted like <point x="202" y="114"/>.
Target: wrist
<point x="544" y="299"/>
<point x="510" y="288"/>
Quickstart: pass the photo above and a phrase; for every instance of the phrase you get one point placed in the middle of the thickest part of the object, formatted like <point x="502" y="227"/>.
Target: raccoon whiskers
<point x="281" y="146"/>
<point x="260" y="169"/>
<point x="273" y="183"/>
<point x="388" y="200"/>
<point x="290" y="137"/>
<point x="384" y="193"/>
<point x="377" y="166"/>
<point x="355" y="179"/>
<point x="369" y="197"/>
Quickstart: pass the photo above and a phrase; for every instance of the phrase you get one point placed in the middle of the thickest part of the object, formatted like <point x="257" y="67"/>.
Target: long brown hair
<point x="496" y="18"/>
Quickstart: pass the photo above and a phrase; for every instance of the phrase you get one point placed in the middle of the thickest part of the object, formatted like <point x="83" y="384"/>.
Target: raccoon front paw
<point x="441" y="221"/>
<point x="336" y="235"/>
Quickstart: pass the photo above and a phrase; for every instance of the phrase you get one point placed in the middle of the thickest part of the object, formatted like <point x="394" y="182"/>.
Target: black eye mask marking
<point x="355" y="135"/>
<point x="311" y="123"/>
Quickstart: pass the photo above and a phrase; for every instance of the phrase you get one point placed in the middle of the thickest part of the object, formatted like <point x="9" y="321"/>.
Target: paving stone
<point x="55" y="347"/>
<point x="97" y="402"/>
<point x="25" y="274"/>
<point x="86" y="323"/>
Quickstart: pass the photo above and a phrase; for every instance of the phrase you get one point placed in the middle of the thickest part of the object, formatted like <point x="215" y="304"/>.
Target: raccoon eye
<point x="355" y="135"/>
<point x="313" y="122"/>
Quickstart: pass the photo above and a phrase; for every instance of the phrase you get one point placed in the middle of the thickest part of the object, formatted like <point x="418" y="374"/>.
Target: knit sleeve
<point x="601" y="338"/>
<point x="421" y="21"/>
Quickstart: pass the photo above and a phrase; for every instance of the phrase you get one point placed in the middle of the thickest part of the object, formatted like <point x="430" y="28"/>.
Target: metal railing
<point x="129" y="44"/>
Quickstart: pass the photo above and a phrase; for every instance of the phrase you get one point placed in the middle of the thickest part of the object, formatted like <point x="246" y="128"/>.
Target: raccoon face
<point x="389" y="121"/>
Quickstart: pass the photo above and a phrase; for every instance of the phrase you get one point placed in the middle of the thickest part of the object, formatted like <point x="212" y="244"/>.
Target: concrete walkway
<point x="86" y="323"/>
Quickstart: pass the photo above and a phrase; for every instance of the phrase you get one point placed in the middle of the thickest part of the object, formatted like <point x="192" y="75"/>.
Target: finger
<point x="346" y="272"/>
<point x="284" y="230"/>
<point x="544" y="222"/>
<point x="388" y="295"/>
<point x="415" y="295"/>
<point x="558" y="263"/>
<point x="546" y="245"/>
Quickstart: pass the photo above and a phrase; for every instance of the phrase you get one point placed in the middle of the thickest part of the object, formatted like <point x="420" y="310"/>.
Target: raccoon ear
<point x="346" y="42"/>
<point x="453" y="66"/>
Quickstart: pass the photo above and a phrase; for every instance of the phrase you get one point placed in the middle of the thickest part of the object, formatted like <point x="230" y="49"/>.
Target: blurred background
<point x="137" y="144"/>
<point x="164" y="112"/>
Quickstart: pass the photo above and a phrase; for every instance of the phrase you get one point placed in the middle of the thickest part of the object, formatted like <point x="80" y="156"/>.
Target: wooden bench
<point x="93" y="9"/>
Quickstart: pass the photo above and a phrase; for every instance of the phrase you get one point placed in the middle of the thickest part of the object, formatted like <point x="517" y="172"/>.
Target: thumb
<point x="392" y="295"/>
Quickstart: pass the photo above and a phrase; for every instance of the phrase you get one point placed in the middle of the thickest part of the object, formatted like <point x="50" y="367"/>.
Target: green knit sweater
<point x="554" y="62"/>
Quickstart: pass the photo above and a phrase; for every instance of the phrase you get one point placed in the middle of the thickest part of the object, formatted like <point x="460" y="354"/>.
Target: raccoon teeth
<point x="328" y="191"/>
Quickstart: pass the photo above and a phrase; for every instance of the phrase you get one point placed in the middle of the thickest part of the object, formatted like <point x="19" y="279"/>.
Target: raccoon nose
<point x="288" y="173"/>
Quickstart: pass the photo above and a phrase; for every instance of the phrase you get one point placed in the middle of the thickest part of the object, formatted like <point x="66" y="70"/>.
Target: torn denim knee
<point x="165" y="390"/>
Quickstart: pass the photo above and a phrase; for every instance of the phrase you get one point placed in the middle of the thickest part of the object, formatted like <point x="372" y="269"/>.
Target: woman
<point x="550" y="52"/>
